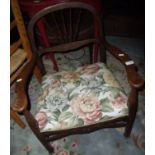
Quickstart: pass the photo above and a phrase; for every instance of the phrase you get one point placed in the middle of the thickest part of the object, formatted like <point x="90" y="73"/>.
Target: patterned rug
<point x="101" y="142"/>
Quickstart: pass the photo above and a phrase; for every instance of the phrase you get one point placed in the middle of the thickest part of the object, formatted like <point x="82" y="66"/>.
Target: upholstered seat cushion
<point x="86" y="96"/>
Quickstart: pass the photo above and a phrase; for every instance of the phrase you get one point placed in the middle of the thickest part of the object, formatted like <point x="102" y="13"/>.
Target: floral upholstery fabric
<point x="86" y="96"/>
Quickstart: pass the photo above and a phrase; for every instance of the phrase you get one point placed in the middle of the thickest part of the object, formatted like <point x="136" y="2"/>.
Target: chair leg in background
<point x="17" y="119"/>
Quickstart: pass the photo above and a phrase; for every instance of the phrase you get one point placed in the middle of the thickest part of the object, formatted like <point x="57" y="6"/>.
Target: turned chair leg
<point x="133" y="105"/>
<point x="33" y="125"/>
<point x="16" y="118"/>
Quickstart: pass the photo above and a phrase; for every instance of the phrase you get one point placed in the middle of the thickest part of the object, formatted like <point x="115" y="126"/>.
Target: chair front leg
<point x="133" y="106"/>
<point x="34" y="127"/>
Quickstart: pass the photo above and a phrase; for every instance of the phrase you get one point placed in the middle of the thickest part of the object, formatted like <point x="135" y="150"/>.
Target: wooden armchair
<point x="20" y="54"/>
<point x="84" y="100"/>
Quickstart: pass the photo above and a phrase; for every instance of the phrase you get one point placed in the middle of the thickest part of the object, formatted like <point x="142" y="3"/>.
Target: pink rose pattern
<point x="62" y="152"/>
<point x="139" y="140"/>
<point x="119" y="101"/>
<point x="63" y="149"/>
<point x="88" y="108"/>
<point x="55" y="83"/>
<point x="26" y="149"/>
<point x="90" y="69"/>
<point x="41" y="119"/>
<point x="79" y="102"/>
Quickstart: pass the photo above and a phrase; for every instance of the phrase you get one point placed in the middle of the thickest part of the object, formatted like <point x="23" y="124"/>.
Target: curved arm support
<point x="21" y="86"/>
<point x="134" y="78"/>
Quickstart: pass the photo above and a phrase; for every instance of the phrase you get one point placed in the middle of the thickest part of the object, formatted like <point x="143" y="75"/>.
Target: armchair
<point x="80" y="101"/>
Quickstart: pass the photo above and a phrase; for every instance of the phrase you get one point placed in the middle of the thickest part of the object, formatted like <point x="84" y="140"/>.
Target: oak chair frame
<point x="23" y="41"/>
<point x="135" y="81"/>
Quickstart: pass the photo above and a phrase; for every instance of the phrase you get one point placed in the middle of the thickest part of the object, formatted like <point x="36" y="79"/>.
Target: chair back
<point x="20" y="50"/>
<point x="65" y="25"/>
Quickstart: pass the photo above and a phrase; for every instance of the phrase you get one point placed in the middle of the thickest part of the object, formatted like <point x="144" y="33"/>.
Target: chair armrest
<point x="134" y="79"/>
<point x="21" y="101"/>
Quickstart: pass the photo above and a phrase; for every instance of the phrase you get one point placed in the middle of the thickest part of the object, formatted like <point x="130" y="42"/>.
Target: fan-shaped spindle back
<point x="67" y="24"/>
<point x="64" y="24"/>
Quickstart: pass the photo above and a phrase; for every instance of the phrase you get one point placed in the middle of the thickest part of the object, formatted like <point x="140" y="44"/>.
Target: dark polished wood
<point x="133" y="77"/>
<point x="133" y="106"/>
<point x="135" y="81"/>
<point x="68" y="46"/>
<point x="68" y="23"/>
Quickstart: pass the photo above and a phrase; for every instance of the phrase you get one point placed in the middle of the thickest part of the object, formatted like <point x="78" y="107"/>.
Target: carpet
<point x="101" y="142"/>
